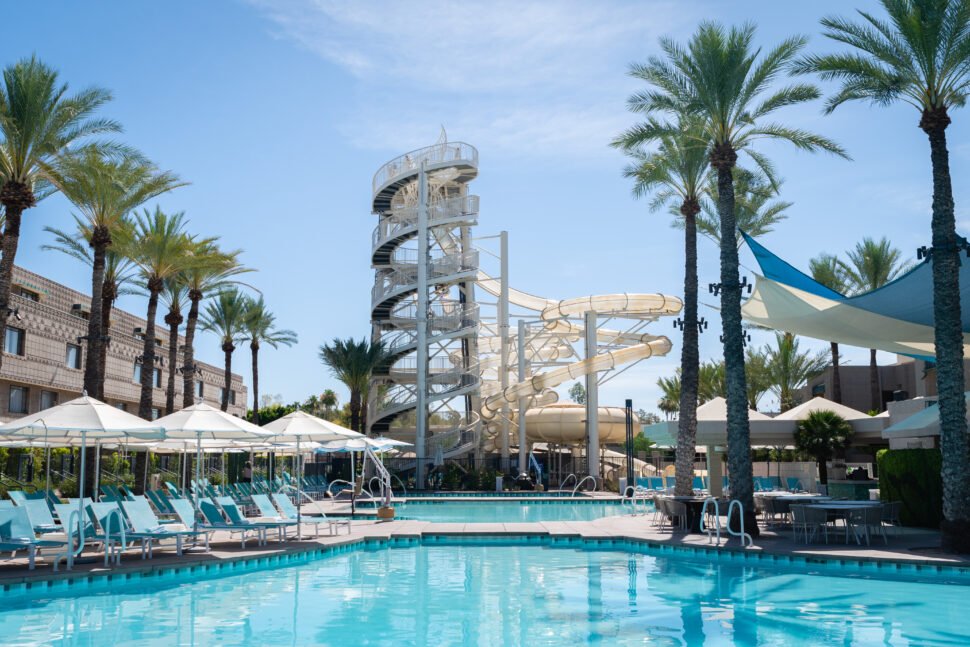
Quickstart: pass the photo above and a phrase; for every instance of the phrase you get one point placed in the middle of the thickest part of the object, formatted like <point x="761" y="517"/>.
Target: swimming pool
<point x="467" y="592"/>
<point x="509" y="511"/>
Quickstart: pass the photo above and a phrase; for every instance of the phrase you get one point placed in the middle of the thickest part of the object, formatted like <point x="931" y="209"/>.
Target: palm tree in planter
<point x="226" y="317"/>
<point x="675" y="175"/>
<point x="209" y="271"/>
<point x="871" y="266"/>
<point x="259" y="327"/>
<point x="921" y="56"/>
<point x="105" y="190"/>
<point x="175" y="296"/>
<point x="39" y="125"/>
<point x="352" y="362"/>
<point x="821" y="435"/>
<point x="119" y="273"/>
<point x="789" y="367"/>
<point x="724" y="80"/>
<point x="830" y="271"/>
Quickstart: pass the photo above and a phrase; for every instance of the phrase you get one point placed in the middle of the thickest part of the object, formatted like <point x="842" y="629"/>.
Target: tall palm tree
<point x="675" y="173"/>
<point x="175" y="296"/>
<point x="105" y="190"/>
<point x="871" y="266"/>
<point x="921" y="56"/>
<point x="351" y="362"/>
<point x="259" y="327"/>
<point x="789" y="367"/>
<point x="757" y="374"/>
<point x="159" y="251"/>
<point x="39" y="123"/>
<point x="831" y="272"/>
<point x="329" y="401"/>
<point x="209" y="271"/>
<point x="226" y="317"/>
<point x="755" y="213"/>
<point x="721" y="77"/>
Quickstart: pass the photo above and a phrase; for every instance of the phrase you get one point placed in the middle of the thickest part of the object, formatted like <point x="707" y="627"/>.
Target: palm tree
<point x="718" y="77"/>
<point x="669" y="402"/>
<point x="830" y="271"/>
<point x="159" y="250"/>
<point x="789" y="367"/>
<point x="921" y="56"/>
<point x="755" y="213"/>
<point x="329" y="401"/>
<point x="675" y="172"/>
<point x="871" y="266"/>
<point x="757" y="375"/>
<point x="226" y="317"/>
<point x="105" y="191"/>
<point x="175" y="296"/>
<point x="209" y="271"/>
<point x="820" y="435"/>
<point x="259" y="327"/>
<point x="351" y="362"/>
<point x="39" y="123"/>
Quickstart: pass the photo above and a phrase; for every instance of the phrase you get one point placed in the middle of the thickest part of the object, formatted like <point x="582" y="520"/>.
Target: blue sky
<point x="280" y="111"/>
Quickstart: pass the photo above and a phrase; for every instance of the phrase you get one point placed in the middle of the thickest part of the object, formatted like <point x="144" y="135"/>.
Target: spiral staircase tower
<point x="423" y="302"/>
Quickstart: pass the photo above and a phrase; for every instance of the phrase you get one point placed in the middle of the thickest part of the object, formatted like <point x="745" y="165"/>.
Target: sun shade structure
<point x="300" y="427"/>
<point x="925" y="423"/>
<point x="864" y="427"/>
<point x="712" y="428"/>
<point x="897" y="318"/>
<point x="80" y="421"/>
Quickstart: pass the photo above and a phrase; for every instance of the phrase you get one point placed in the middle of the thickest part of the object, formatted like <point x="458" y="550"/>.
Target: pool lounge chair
<point x="237" y="518"/>
<point x="117" y="532"/>
<point x="793" y="484"/>
<point x="16" y="534"/>
<point x="267" y="512"/>
<point x="40" y="516"/>
<point x="289" y="511"/>
<point x="143" y="521"/>
<point x="215" y="521"/>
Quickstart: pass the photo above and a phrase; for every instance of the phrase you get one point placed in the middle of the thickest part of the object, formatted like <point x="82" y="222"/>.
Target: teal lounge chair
<point x="144" y="522"/>
<point x="793" y="484"/>
<point x="40" y="516"/>
<point x="290" y="512"/>
<point x="17" y="534"/>
<point x="117" y="533"/>
<point x="236" y="518"/>
<point x="215" y="521"/>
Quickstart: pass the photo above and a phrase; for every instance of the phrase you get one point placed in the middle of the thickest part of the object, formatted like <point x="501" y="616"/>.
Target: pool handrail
<point x="566" y="480"/>
<point x="334" y="482"/>
<point x="742" y="534"/>
<point x="585" y="478"/>
<point x="717" y="516"/>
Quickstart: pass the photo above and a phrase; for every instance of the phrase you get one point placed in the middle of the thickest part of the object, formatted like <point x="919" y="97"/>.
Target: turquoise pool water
<point x="508" y="511"/>
<point x="489" y="594"/>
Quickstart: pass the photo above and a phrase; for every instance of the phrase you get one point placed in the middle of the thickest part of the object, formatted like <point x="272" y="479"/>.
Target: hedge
<point x="912" y="476"/>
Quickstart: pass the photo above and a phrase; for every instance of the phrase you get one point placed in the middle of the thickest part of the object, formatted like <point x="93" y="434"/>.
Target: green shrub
<point x="912" y="476"/>
<point x="451" y="479"/>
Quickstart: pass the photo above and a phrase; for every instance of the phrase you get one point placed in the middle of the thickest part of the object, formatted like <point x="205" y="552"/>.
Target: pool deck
<point x="912" y="546"/>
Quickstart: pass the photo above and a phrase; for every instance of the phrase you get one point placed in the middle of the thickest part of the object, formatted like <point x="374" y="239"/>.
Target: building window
<point x="158" y="378"/>
<point x="121" y="405"/>
<point x="48" y="399"/>
<point x="73" y="356"/>
<point x="30" y="295"/>
<point x="156" y="413"/>
<point x="13" y="341"/>
<point x="201" y="388"/>
<point x="232" y="395"/>
<point x="157" y="381"/>
<point x="18" y="399"/>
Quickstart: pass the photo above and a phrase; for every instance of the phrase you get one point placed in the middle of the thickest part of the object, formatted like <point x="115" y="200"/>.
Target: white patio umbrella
<point x="204" y="422"/>
<point x="83" y="418"/>
<point x="298" y="427"/>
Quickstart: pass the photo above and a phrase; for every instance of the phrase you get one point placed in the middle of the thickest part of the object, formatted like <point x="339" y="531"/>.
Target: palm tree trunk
<point x="107" y="303"/>
<point x="15" y="197"/>
<point x="355" y="410"/>
<point x="836" y="379"/>
<point x="188" y="355"/>
<point x="689" y="359"/>
<point x="723" y="159"/>
<point x="823" y="472"/>
<point x="173" y="319"/>
<point x="874" y="390"/>
<point x="955" y="528"/>
<point x="227" y="348"/>
<point x="93" y="378"/>
<point x="254" y="348"/>
<point x="148" y="354"/>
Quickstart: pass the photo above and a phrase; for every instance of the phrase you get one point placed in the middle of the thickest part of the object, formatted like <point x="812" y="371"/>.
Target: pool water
<point x="515" y="594"/>
<point x="508" y="511"/>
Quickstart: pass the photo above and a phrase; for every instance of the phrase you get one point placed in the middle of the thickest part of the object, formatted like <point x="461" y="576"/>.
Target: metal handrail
<point x="399" y="220"/>
<point x="717" y="516"/>
<point x="68" y="555"/>
<point x="334" y="482"/>
<point x="743" y="535"/>
<point x="585" y="478"/>
<point x="411" y="161"/>
<point x="316" y="504"/>
<point x="566" y="480"/>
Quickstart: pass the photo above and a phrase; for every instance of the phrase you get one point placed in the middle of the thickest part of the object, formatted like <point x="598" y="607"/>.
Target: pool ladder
<point x="717" y="520"/>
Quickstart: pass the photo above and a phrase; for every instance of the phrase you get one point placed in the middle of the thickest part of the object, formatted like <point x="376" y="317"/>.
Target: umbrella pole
<point x="97" y="469"/>
<point x="299" y="501"/>
<point x="198" y="461"/>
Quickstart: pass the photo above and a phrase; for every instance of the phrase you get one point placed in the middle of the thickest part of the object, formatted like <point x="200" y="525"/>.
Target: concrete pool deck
<point x="912" y="546"/>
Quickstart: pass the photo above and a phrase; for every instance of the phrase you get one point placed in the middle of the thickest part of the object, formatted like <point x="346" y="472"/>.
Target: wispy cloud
<point x="530" y="77"/>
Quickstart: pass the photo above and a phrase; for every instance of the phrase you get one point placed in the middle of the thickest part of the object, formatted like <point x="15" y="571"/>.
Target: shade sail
<point x="300" y="426"/>
<point x="897" y="317"/>
<point x="864" y="425"/>
<point x="206" y="422"/>
<point x="712" y="428"/>
<point x="82" y="416"/>
<point x="359" y="444"/>
<point x="924" y="423"/>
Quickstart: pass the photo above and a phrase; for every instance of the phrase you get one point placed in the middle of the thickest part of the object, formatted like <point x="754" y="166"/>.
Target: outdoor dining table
<point x="695" y="509"/>
<point x="842" y="509"/>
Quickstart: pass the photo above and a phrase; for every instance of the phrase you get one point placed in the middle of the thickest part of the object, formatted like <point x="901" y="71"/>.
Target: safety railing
<point x="743" y="535"/>
<point x="717" y="517"/>
<point x="397" y="222"/>
<point x="580" y="484"/>
<point x="409" y="163"/>
<point x="566" y="480"/>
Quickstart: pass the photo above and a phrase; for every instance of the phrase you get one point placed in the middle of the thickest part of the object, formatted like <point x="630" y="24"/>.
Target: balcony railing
<point x="397" y="221"/>
<point x="458" y="152"/>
